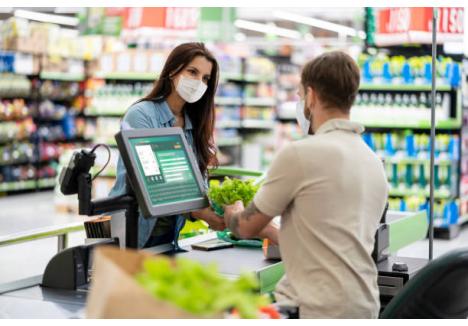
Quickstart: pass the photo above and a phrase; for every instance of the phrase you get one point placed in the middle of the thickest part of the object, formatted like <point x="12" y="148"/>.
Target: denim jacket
<point x="150" y="114"/>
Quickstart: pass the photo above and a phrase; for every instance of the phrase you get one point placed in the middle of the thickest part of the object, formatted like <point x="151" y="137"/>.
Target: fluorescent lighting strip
<point x="319" y="23"/>
<point x="47" y="18"/>
<point x="267" y="29"/>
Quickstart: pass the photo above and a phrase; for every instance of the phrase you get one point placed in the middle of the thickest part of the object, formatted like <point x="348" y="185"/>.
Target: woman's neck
<point x="176" y="104"/>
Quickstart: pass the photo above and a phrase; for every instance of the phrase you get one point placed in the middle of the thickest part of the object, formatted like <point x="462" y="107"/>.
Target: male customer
<point x="330" y="190"/>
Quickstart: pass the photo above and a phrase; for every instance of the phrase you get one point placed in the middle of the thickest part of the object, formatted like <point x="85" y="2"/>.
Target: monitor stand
<point x="126" y="202"/>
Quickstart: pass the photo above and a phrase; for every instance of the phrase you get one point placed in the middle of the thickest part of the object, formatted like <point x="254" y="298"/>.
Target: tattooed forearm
<point x="249" y="211"/>
<point x="234" y="224"/>
<point x="245" y="215"/>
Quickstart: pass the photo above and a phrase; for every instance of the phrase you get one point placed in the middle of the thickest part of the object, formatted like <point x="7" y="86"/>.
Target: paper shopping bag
<point x="114" y="292"/>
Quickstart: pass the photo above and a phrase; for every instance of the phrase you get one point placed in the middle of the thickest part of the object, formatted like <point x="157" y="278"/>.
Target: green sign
<point x="217" y="24"/>
<point x="94" y="21"/>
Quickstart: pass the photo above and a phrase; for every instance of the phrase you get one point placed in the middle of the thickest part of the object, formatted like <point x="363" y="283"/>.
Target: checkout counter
<point x="154" y="159"/>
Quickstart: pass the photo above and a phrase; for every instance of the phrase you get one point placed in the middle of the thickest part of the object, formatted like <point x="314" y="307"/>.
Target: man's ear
<point x="311" y="97"/>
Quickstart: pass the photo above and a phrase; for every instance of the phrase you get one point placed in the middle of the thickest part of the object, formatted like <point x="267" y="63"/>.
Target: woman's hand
<point x="207" y="214"/>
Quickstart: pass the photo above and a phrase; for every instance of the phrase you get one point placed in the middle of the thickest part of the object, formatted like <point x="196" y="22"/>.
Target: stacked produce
<point x="200" y="290"/>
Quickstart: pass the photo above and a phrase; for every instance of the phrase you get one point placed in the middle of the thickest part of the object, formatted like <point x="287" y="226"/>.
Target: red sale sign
<point x="170" y="18"/>
<point x="414" y="25"/>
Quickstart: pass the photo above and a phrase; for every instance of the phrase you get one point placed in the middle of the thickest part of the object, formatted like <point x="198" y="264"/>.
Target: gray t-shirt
<point x="330" y="190"/>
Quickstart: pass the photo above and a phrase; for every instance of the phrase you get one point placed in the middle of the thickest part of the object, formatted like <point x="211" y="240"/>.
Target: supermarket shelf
<point x="417" y="161"/>
<point x="11" y="96"/>
<point x="18" y="185"/>
<point x="46" y="183"/>
<point x="445" y="124"/>
<point x="62" y="76"/>
<point x="228" y="101"/>
<point x="19" y="162"/>
<point x="258" y="124"/>
<point x="231" y="76"/>
<point x="401" y="87"/>
<point x="150" y="76"/>
<point x="438" y="194"/>
<point x="258" y="79"/>
<point x="27" y="185"/>
<point x="234" y="141"/>
<point x="228" y="124"/>
<point x="260" y="101"/>
<point x="115" y="114"/>
<point x="110" y="141"/>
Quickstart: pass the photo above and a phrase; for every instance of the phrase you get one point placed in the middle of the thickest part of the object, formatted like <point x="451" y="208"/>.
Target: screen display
<point x="165" y="168"/>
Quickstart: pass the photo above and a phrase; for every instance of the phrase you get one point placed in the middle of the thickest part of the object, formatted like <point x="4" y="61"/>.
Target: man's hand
<point x="231" y="210"/>
<point x="215" y="221"/>
<point x="245" y="223"/>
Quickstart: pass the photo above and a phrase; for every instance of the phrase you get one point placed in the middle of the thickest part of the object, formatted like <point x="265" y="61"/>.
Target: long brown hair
<point x="202" y="112"/>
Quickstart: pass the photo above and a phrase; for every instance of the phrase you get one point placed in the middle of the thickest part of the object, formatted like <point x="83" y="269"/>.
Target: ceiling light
<point x="47" y="18"/>
<point x="68" y="10"/>
<point x="267" y="29"/>
<point x="319" y="23"/>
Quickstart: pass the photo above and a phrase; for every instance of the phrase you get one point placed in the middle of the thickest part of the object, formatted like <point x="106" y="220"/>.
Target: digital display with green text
<point x="165" y="168"/>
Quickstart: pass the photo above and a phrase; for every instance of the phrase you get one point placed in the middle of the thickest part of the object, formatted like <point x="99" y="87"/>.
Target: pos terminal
<point x="163" y="179"/>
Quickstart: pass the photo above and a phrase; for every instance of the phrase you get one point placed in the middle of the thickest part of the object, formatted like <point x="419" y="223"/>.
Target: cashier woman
<point x="183" y="96"/>
<point x="330" y="190"/>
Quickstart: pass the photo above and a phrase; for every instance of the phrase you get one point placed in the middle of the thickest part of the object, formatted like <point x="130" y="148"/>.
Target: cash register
<point x="163" y="179"/>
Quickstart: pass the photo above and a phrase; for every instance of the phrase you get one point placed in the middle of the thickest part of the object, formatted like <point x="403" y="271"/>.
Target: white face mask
<point x="191" y="90"/>
<point x="303" y="122"/>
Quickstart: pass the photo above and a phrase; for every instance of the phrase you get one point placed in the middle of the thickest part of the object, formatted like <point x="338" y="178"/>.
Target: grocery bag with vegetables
<point x="138" y="284"/>
<point x="200" y="290"/>
<point x="227" y="193"/>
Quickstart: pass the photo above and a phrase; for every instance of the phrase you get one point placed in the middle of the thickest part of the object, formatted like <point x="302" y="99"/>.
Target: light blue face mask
<point x="302" y="120"/>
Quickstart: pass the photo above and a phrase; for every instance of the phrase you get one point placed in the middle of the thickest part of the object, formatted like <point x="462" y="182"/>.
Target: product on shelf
<point x="51" y="111"/>
<point x="412" y="145"/>
<point x="16" y="130"/>
<point x="16" y="153"/>
<point x="446" y="212"/>
<point x="66" y="66"/>
<point x="102" y="130"/>
<point x="228" y="117"/>
<point x="256" y="113"/>
<point x="59" y="90"/>
<point x="400" y="108"/>
<point x="22" y="35"/>
<point x="259" y="68"/>
<point x="230" y="66"/>
<point x="406" y="157"/>
<point x="229" y="90"/>
<point x="14" y="86"/>
<point x="13" y="110"/>
<point x="382" y="69"/>
<point x="131" y="61"/>
<point x="48" y="171"/>
<point x="259" y="90"/>
<point x="49" y="151"/>
<point x="114" y="99"/>
<point x="17" y="173"/>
